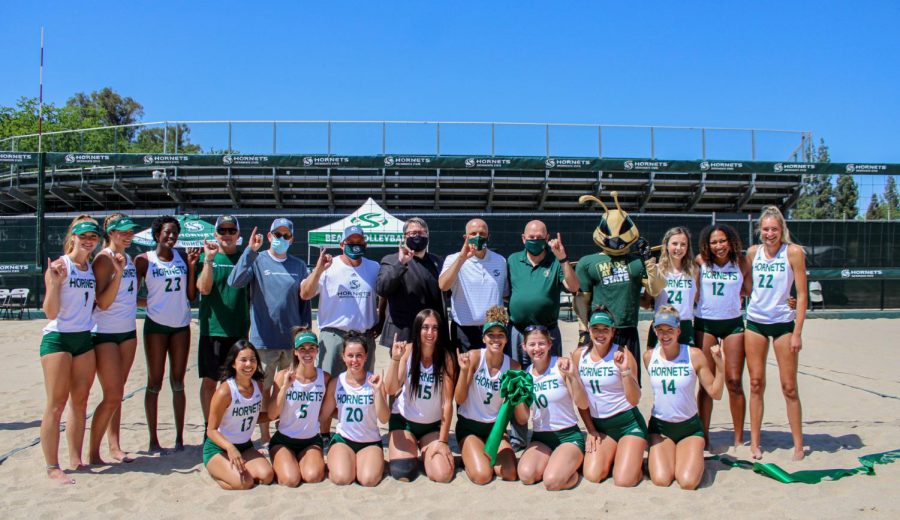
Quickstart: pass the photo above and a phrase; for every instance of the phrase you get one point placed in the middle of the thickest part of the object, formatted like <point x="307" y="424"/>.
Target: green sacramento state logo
<point x="369" y="220"/>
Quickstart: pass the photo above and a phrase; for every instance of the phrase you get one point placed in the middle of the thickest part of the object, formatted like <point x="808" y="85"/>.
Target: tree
<point x="846" y="197"/>
<point x="110" y="108"/>
<point x="817" y="194"/>
<point x="891" y="200"/>
<point x="875" y="210"/>
<point x="170" y="139"/>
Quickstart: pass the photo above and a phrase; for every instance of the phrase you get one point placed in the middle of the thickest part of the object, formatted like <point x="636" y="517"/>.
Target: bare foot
<point x="179" y="446"/>
<point x="77" y="464"/>
<point x="95" y="460"/>
<point x="755" y="452"/>
<point x="59" y="476"/>
<point x="799" y="454"/>
<point x="120" y="456"/>
<point x="154" y="447"/>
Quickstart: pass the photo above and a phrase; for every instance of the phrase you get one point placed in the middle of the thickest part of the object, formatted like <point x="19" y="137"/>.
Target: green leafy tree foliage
<point x="817" y="198"/>
<point x="875" y="211"/>
<point x="84" y="111"/>
<point x="846" y="197"/>
<point x="891" y="200"/>
<point x="110" y="108"/>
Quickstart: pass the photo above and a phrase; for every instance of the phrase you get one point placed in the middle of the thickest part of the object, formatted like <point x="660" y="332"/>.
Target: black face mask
<point x="417" y="243"/>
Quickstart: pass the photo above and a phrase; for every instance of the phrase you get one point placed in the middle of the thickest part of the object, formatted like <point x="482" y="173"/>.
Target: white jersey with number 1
<point x="76" y="300"/>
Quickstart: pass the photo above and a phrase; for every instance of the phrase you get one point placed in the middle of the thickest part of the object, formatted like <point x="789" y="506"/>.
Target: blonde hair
<point x="69" y="242"/>
<point x="109" y="218"/>
<point x="687" y="263"/>
<point x="669" y="310"/>
<point x="774" y="212"/>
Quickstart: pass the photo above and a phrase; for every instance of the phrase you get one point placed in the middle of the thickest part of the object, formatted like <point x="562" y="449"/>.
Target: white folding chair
<point x="4" y="301"/>
<point x="815" y="294"/>
<point x="18" y="300"/>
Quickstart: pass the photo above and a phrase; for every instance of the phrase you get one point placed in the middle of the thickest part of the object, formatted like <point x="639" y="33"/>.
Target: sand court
<point x="849" y="386"/>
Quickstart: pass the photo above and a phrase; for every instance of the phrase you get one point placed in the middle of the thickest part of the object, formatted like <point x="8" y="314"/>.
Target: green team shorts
<point x="295" y="445"/>
<point x="75" y="343"/>
<point x="211" y="449"/>
<point x="685" y="338"/>
<point x="114" y="337"/>
<point x="151" y="327"/>
<point x="554" y="439"/>
<point x="466" y="427"/>
<point x="771" y="330"/>
<point x="677" y="430"/>
<point x="355" y="446"/>
<point x="419" y="430"/>
<point x="721" y="329"/>
<point x="629" y="422"/>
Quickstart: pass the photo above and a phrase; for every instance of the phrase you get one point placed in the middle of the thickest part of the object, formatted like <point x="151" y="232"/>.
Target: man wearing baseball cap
<point x="224" y="314"/>
<point x="273" y="278"/>
<point x="347" y="299"/>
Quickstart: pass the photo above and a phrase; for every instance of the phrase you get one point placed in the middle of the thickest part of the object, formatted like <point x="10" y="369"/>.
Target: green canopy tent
<point x="381" y="228"/>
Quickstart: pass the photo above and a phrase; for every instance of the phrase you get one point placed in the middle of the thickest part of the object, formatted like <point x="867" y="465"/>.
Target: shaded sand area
<point x="849" y="384"/>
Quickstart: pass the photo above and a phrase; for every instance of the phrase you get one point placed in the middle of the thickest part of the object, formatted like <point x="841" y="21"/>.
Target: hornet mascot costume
<point x="614" y="276"/>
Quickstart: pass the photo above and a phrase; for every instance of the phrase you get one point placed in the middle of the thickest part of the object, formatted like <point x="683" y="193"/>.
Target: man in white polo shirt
<point x="476" y="276"/>
<point x="347" y="300"/>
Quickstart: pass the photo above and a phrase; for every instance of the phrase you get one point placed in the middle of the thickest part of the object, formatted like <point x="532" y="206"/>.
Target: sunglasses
<point x="227" y="231"/>
<point x="286" y="236"/>
<point x="532" y="328"/>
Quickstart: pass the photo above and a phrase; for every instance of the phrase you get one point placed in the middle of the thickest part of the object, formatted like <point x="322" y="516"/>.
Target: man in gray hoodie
<point x="273" y="279"/>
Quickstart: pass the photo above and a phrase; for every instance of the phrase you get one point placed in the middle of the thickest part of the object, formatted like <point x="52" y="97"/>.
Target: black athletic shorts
<point x="211" y="352"/>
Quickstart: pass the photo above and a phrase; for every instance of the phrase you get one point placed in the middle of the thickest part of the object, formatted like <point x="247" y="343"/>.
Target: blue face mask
<point x="280" y="245"/>
<point x="354" y="251"/>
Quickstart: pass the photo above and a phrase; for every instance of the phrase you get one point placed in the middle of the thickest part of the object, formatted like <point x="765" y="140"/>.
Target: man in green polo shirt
<point x="224" y="312"/>
<point x="537" y="275"/>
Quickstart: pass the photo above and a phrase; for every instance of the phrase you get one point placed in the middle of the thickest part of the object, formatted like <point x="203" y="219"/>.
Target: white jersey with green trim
<point x="120" y="315"/>
<point x="357" y="417"/>
<point x="300" y="411"/>
<point x="167" y="302"/>
<point x="674" y="385"/>
<point x="552" y="409"/>
<point x="773" y="279"/>
<point x="720" y="291"/>
<point x="680" y="292"/>
<point x="603" y="384"/>
<point x="482" y="402"/>
<point x="76" y="300"/>
<point x="241" y="415"/>
<point x="425" y="406"/>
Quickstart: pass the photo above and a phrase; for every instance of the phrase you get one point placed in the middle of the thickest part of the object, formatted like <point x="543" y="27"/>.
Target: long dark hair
<point x="734" y="243"/>
<point x="228" y="370"/>
<point x="438" y="360"/>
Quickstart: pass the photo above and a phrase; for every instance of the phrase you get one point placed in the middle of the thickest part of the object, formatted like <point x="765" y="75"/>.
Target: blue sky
<point x="828" y="67"/>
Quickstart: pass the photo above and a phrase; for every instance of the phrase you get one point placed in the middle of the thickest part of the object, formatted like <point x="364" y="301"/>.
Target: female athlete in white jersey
<point x="778" y="266"/>
<point x="478" y="401"/>
<point x="556" y="449"/>
<point x="67" y="355"/>
<point x="356" y="452"/>
<point x="114" y="336"/>
<point x="171" y="285"/>
<point x="676" y="434"/>
<point x="617" y="432"/>
<point x="421" y="375"/>
<point x="296" y="448"/>
<point x="676" y="262"/>
<point x="236" y="407"/>
<point x="718" y="319"/>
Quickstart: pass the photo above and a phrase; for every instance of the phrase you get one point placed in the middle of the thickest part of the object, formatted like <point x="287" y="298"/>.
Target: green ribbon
<point x="812" y="476"/>
<point x="516" y="387"/>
